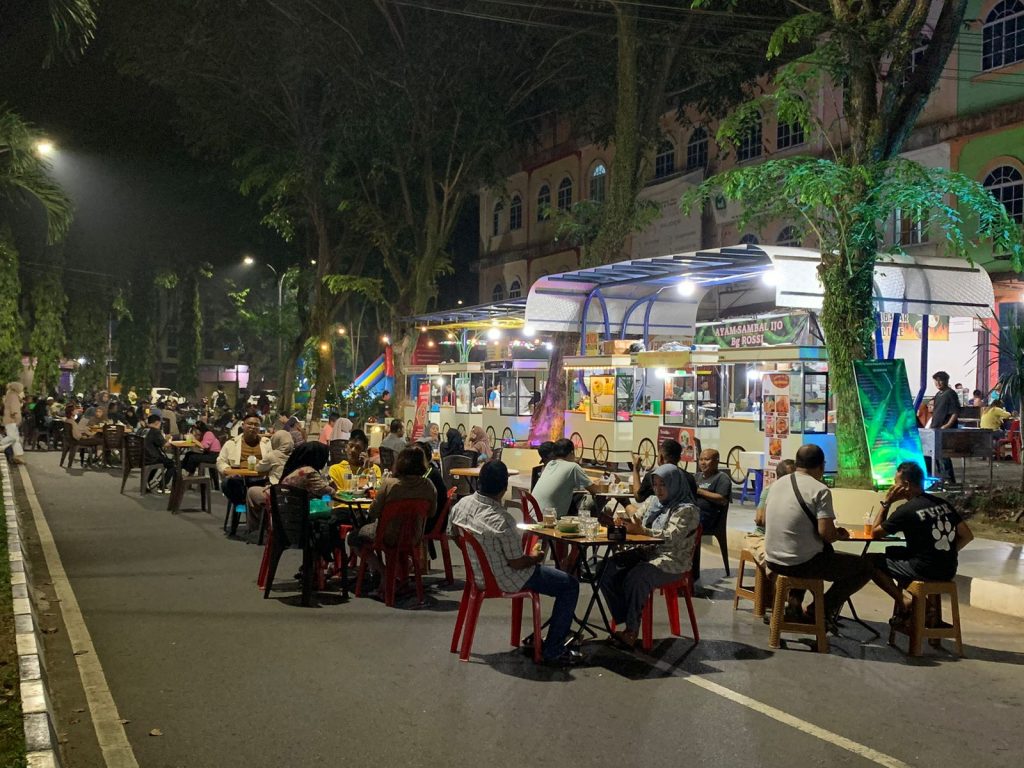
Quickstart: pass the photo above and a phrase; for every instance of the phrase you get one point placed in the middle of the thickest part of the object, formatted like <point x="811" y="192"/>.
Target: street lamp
<point x="44" y="147"/>
<point x="249" y="261"/>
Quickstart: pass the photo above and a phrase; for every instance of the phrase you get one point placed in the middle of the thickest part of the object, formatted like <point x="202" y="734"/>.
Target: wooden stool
<point x="755" y="593"/>
<point x="783" y="585"/>
<point x="926" y="593"/>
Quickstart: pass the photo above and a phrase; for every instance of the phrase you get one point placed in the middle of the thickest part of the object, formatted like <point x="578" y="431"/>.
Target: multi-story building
<point x="972" y="123"/>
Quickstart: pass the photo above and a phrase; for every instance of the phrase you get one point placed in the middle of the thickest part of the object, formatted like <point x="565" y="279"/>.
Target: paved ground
<point x="190" y="648"/>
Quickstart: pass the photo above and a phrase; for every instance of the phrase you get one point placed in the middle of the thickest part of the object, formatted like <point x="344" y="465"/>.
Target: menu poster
<point x="422" y="405"/>
<point x="685" y="436"/>
<point x="777" y="415"/>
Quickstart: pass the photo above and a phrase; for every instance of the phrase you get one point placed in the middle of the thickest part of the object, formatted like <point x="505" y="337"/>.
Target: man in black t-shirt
<point x="933" y="530"/>
<point x="945" y="413"/>
<point x="669" y="452"/>
<point x="153" y="450"/>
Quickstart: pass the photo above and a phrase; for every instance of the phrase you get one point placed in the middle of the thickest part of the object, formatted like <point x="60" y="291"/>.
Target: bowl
<point x="568" y="528"/>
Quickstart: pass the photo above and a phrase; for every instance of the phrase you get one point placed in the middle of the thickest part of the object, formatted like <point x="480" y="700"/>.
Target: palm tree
<point x="24" y="173"/>
<point x="74" y="26"/>
<point x="1010" y="360"/>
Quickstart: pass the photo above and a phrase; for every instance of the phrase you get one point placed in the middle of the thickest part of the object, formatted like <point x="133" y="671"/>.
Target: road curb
<point x="37" y="710"/>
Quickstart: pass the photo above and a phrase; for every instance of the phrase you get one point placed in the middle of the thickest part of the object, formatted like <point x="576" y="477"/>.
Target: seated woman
<point x="301" y="470"/>
<point x="630" y="575"/>
<point x="408" y="482"/>
<point x="79" y="430"/>
<point x="434" y="439"/>
<point x="435" y="477"/>
<point x="357" y="462"/>
<point x="453" y="444"/>
<point x="478" y="442"/>
<point x="205" y="453"/>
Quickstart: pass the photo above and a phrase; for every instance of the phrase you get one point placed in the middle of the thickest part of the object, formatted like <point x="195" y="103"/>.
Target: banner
<point x="890" y="424"/>
<point x="685" y="436"/>
<point x="778" y="413"/>
<point x="909" y="328"/>
<point x="419" y="423"/>
<point x="765" y="332"/>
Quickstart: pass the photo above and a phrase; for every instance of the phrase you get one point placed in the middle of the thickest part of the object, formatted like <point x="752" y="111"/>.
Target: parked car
<point x="158" y="393"/>
<point x="271" y="396"/>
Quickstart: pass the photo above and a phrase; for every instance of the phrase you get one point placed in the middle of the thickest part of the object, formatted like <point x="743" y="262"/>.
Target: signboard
<point x="419" y="423"/>
<point x="685" y="436"/>
<point x="764" y="332"/>
<point x="909" y="328"/>
<point x="778" y="415"/>
<point x="890" y="424"/>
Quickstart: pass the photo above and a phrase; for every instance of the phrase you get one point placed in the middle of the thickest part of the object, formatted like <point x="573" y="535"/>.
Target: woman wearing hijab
<point x="478" y="442"/>
<point x="297" y="467"/>
<point x="13" y="399"/>
<point x="452" y="445"/>
<point x="630" y="576"/>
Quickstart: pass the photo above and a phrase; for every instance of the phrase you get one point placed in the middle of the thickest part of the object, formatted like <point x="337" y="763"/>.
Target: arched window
<point x="515" y="213"/>
<point x="515" y="289"/>
<point x="665" y="160"/>
<point x="598" y="177"/>
<point x="543" y="202"/>
<point x="565" y="194"/>
<point x="788" y="236"/>
<point x="1007" y="186"/>
<point x="1002" y="37"/>
<point x="788" y="135"/>
<point x="498" y="293"/>
<point x="697" y="149"/>
<point x="749" y="239"/>
<point x="750" y="143"/>
<point x="499" y="208"/>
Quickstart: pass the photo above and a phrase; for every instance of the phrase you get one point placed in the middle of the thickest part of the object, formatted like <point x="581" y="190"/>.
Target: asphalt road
<point x="189" y="647"/>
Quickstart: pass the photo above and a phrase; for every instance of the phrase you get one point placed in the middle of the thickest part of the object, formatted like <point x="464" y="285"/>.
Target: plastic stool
<point x="923" y="593"/>
<point x="755" y="592"/>
<point x="783" y="585"/>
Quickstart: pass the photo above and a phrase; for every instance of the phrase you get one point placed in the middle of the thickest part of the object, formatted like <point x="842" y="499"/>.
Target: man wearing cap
<point x="484" y="515"/>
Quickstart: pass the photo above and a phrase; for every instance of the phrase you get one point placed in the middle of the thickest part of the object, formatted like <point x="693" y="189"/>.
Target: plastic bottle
<point x="252" y="463"/>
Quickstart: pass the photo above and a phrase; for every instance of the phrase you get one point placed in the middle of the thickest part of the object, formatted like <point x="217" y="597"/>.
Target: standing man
<point x="945" y="413"/>
<point x="799" y="531"/>
<point x="714" y="492"/>
<point x="484" y="515"/>
<point x="13" y="400"/>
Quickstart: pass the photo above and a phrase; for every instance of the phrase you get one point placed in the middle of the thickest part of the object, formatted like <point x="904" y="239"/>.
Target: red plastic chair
<point x="405" y="519"/>
<point x="531" y="516"/>
<point x="671" y="592"/>
<point x="1012" y="440"/>
<point x="439" y="533"/>
<point x="473" y="597"/>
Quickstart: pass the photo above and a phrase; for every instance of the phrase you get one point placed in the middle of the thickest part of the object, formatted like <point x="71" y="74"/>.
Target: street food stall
<point x="516" y="385"/>
<point x="600" y="403"/>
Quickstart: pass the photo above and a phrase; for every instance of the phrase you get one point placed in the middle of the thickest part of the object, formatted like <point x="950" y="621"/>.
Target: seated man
<point x="799" y="531"/>
<point x="236" y="453"/>
<point x="560" y="478"/>
<point x="153" y="445"/>
<point x="994" y="416"/>
<point x="933" y="530"/>
<point x="714" y="492"/>
<point x="357" y="463"/>
<point x="395" y="440"/>
<point x="669" y="452"/>
<point x="544" y="452"/>
<point x="484" y="515"/>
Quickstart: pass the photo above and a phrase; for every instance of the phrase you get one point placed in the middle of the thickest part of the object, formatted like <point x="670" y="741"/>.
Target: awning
<point x="641" y="296"/>
<point x="500" y="314"/>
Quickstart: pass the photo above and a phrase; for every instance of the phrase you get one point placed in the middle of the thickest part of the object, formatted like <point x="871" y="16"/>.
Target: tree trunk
<point x="847" y="318"/>
<point x="287" y="393"/>
<point x="402" y="356"/>
<point x="548" y="420"/>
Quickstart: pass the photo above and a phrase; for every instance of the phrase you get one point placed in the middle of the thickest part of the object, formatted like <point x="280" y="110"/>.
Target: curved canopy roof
<point x="640" y="297"/>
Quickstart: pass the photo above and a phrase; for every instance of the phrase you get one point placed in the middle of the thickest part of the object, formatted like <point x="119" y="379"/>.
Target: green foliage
<point x="87" y="332"/>
<point x="370" y="288"/>
<point x="11" y="325"/>
<point x="47" y="337"/>
<point x="135" y="338"/>
<point x="581" y="225"/>
<point x="74" y="27"/>
<point x="359" y="405"/>
<point x="24" y="174"/>
<point x="190" y="336"/>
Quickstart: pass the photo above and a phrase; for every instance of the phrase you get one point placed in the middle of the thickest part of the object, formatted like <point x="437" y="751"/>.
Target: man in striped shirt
<point x="484" y="515"/>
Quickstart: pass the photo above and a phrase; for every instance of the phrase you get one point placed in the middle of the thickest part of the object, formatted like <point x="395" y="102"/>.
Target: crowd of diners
<point x="795" y="518"/>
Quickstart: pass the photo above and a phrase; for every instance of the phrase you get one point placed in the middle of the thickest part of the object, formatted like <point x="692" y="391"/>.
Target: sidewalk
<point x="990" y="576"/>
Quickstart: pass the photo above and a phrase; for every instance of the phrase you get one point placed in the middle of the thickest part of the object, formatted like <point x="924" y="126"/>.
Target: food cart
<point x="600" y="405"/>
<point x="516" y="385"/>
<point x="470" y="395"/>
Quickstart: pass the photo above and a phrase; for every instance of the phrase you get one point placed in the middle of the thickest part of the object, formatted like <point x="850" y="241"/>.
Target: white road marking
<point x="110" y="733"/>
<point x="785" y="718"/>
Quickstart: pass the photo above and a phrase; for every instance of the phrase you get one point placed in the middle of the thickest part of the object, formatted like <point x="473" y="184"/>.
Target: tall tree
<point x="867" y="50"/>
<point x="87" y="340"/>
<point x="47" y="336"/>
<point x="11" y="325"/>
<point x="190" y="333"/>
<point x="135" y="336"/>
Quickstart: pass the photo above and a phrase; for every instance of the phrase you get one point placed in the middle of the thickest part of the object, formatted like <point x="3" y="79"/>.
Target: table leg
<point x="595" y="598"/>
<point x="857" y="619"/>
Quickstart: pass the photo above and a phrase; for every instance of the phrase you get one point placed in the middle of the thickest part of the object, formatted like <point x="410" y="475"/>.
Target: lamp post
<point x="249" y="261"/>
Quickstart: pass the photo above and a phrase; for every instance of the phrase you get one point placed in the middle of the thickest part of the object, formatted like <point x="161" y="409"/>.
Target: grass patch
<point x="12" y="730"/>
<point x="992" y="513"/>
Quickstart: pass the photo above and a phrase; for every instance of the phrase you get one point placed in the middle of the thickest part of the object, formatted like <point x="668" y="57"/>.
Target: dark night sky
<point x="138" y="191"/>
